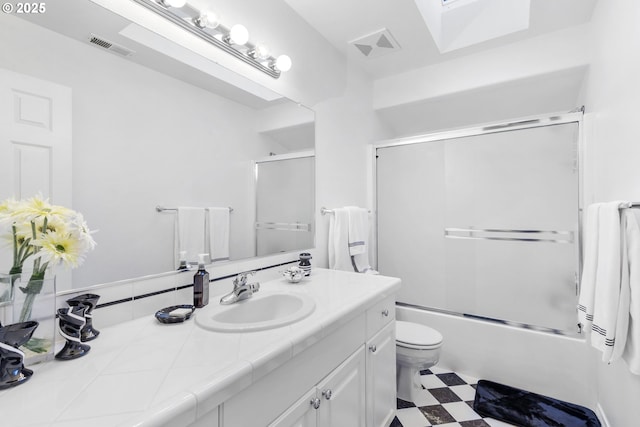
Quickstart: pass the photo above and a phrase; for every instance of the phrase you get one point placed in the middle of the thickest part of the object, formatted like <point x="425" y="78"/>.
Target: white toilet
<point x="417" y="348"/>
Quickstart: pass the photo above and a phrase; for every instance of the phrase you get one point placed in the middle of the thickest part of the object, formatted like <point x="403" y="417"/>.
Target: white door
<point x="35" y="143"/>
<point x="381" y="377"/>
<point x="342" y="395"/>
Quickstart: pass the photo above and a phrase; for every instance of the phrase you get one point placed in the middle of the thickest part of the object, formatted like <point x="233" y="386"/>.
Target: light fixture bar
<point x="187" y="25"/>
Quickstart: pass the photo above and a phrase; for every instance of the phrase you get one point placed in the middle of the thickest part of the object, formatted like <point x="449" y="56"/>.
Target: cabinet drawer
<point x="380" y="315"/>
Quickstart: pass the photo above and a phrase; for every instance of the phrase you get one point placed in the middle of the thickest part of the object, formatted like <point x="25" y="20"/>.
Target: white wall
<point x="612" y="93"/>
<point x="540" y="75"/>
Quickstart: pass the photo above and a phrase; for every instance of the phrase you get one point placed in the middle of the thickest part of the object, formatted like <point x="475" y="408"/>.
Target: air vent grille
<point x="376" y="44"/>
<point x="113" y="47"/>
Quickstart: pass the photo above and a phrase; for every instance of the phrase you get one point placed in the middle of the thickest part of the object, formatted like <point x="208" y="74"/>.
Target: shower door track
<point x="510" y="323"/>
<point x="539" y="121"/>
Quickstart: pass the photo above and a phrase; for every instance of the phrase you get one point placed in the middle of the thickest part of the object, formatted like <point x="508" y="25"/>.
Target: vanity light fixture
<point x="235" y="40"/>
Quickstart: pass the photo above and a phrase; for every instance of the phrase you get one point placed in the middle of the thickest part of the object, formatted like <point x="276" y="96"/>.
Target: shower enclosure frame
<point x="575" y="116"/>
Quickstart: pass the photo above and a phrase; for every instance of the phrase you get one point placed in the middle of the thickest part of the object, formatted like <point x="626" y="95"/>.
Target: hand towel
<point x="631" y="354"/>
<point x="608" y="285"/>
<point x="218" y="234"/>
<point x="190" y="234"/>
<point x="589" y="268"/>
<point x="358" y="238"/>
<point x="338" y="245"/>
<point x="358" y="230"/>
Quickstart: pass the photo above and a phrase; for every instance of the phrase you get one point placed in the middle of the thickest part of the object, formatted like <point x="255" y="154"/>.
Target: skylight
<point x="455" y="24"/>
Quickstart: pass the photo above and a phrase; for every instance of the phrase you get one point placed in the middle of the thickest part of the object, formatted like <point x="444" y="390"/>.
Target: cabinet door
<point x="381" y="377"/>
<point x="301" y="414"/>
<point x="342" y="394"/>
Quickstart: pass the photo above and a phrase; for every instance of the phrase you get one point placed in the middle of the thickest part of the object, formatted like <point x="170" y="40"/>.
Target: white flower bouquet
<point x="47" y="234"/>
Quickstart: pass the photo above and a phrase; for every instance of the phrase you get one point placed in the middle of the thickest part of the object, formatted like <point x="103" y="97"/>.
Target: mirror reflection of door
<point x="35" y="144"/>
<point x="284" y="204"/>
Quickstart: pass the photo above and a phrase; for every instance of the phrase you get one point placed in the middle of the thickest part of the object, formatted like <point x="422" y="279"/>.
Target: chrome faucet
<point x="241" y="289"/>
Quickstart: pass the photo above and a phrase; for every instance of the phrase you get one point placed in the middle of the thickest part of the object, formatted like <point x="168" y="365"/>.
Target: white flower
<point x="51" y="234"/>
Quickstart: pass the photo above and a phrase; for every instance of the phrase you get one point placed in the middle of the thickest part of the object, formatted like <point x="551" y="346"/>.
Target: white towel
<point x="608" y="285"/>
<point x="589" y="268"/>
<point x="190" y="236"/>
<point x="338" y="245"/>
<point x="218" y="232"/>
<point x="631" y="353"/>
<point x="358" y="230"/>
<point x="340" y="255"/>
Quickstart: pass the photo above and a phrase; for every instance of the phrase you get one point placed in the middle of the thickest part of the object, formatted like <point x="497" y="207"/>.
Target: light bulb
<point x="207" y="19"/>
<point x="238" y="35"/>
<point x="261" y="51"/>
<point x="174" y="3"/>
<point x="283" y="63"/>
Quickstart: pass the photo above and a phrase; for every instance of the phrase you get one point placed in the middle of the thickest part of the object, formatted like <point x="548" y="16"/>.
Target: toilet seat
<point x="416" y="336"/>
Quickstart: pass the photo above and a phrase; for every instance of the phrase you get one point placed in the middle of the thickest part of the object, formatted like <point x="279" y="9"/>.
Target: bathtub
<point x="554" y="365"/>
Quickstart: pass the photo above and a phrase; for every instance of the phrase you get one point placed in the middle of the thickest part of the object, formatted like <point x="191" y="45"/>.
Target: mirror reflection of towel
<point x="190" y="236"/>
<point x="218" y="233"/>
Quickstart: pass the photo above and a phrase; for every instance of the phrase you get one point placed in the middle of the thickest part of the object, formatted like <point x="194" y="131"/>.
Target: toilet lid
<point x="415" y="335"/>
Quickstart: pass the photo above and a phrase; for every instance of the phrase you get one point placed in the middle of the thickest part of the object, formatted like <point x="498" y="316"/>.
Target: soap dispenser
<point x="201" y="284"/>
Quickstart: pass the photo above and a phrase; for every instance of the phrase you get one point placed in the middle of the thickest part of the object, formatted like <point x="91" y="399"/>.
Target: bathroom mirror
<point x="152" y="127"/>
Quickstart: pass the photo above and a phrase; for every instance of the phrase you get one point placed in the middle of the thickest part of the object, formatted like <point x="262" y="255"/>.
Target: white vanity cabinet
<point x="345" y="379"/>
<point x="381" y="377"/>
<point x="381" y="363"/>
<point x="338" y="400"/>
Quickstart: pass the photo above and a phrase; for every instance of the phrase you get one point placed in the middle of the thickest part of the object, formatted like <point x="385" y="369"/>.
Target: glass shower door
<point x="494" y="222"/>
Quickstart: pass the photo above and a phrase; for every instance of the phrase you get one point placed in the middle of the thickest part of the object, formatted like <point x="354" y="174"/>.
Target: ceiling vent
<point x="376" y="44"/>
<point x="110" y="46"/>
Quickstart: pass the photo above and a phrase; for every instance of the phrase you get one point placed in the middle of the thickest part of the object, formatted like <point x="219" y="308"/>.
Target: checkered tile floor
<point x="446" y="401"/>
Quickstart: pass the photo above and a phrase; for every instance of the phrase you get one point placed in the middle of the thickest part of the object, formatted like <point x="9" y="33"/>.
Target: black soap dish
<point x="175" y="313"/>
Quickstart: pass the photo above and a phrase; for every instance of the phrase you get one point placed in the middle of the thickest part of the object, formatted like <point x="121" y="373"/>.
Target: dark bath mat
<point x="527" y="409"/>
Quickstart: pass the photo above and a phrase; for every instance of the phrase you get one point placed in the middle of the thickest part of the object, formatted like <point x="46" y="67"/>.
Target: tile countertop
<point x="143" y="373"/>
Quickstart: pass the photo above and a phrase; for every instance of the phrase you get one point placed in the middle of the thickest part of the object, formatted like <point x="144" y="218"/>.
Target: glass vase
<point x="7" y="286"/>
<point x="34" y="298"/>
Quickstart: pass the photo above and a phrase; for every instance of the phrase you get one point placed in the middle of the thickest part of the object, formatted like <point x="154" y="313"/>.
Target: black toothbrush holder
<point x="70" y="323"/>
<point x="12" y="370"/>
<point x="87" y="302"/>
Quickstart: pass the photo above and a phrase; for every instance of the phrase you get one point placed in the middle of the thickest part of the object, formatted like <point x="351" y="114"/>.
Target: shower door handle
<point x="516" y="235"/>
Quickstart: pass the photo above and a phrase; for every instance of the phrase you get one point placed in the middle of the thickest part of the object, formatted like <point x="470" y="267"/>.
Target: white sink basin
<point x="264" y="310"/>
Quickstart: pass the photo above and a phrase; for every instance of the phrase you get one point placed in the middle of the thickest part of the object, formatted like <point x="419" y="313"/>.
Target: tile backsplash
<point x="134" y="298"/>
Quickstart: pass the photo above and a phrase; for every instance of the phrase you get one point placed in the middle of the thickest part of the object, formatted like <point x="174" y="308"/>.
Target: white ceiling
<point x="342" y="21"/>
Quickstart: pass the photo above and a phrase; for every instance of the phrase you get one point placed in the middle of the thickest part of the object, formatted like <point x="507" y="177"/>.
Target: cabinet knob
<point x="315" y="402"/>
<point x="373" y="348"/>
<point x="385" y="313"/>
<point x="327" y="394"/>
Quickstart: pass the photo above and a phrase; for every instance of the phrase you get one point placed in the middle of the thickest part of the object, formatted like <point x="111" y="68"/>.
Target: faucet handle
<point x="241" y="279"/>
